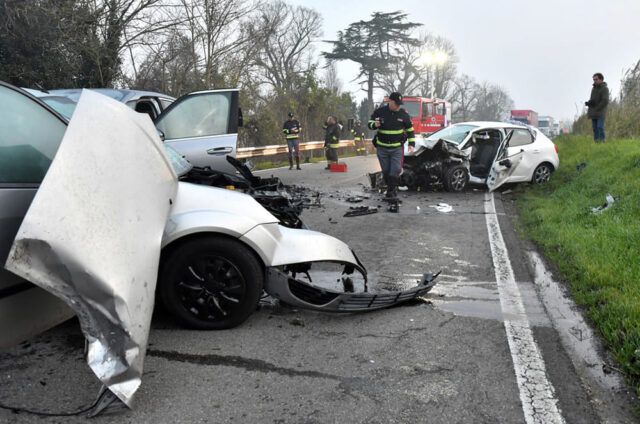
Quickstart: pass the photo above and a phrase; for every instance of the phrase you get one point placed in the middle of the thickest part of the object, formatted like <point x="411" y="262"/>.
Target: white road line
<point x="539" y="403"/>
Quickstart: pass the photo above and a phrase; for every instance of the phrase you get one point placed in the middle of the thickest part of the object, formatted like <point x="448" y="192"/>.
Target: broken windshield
<point x="453" y="134"/>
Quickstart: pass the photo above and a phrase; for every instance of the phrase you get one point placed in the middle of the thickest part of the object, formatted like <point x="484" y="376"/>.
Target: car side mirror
<point x="160" y="134"/>
<point x="240" y="118"/>
<point x="505" y="162"/>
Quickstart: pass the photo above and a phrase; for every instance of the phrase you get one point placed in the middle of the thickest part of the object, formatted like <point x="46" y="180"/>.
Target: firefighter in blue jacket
<point x="394" y="128"/>
<point x="291" y="129"/>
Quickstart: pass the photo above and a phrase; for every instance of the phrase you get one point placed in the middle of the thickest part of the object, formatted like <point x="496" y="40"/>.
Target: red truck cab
<point x="427" y="115"/>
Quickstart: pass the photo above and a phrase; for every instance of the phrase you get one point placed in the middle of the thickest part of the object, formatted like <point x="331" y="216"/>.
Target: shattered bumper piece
<point x="295" y="292"/>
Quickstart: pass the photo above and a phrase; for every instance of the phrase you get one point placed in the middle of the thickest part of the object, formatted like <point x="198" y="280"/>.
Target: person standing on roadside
<point x="291" y="129"/>
<point x="597" y="105"/>
<point x="358" y="138"/>
<point x="331" y="140"/>
<point x="394" y="127"/>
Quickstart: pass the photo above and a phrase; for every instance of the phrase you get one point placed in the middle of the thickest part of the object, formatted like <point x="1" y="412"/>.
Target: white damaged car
<point x="485" y="153"/>
<point x="95" y="214"/>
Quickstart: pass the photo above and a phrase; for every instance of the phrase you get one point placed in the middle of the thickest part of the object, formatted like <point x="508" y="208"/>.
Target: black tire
<point x="456" y="178"/>
<point x="210" y="283"/>
<point x="542" y="173"/>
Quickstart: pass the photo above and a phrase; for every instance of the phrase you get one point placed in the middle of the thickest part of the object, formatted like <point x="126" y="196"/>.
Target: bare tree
<point x="439" y="66"/>
<point x="287" y="33"/>
<point x="331" y="79"/>
<point x="426" y="69"/>
<point x="216" y="30"/>
<point x="493" y="103"/>
<point x="464" y="98"/>
<point x="404" y="75"/>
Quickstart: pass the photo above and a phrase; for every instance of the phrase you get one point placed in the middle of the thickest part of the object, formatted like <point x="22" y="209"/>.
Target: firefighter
<point x="291" y="129"/>
<point x="358" y="138"/>
<point x="331" y="140"/>
<point x="394" y="128"/>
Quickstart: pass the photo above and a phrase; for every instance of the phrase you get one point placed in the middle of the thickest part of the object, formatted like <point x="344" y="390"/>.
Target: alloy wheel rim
<point x="210" y="287"/>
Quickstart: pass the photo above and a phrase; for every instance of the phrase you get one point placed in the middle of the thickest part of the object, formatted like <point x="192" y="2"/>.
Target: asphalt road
<point x="482" y="349"/>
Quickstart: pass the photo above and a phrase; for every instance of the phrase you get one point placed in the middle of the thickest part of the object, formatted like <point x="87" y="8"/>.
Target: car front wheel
<point x="542" y="173"/>
<point x="210" y="283"/>
<point x="456" y="178"/>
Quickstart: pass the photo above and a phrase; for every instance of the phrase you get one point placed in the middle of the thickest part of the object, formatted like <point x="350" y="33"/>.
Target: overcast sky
<point x="542" y="52"/>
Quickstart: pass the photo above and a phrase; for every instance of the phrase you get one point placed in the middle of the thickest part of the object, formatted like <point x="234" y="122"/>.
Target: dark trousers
<point x="598" y="129"/>
<point x="390" y="159"/>
<point x="331" y="154"/>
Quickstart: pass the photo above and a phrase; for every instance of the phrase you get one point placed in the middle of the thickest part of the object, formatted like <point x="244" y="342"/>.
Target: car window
<point x="198" y="115"/>
<point x="454" y="134"/>
<point x="62" y="105"/>
<point x="520" y="137"/>
<point x="29" y="138"/>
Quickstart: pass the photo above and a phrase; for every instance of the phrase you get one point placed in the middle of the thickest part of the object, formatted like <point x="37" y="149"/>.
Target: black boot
<point x="290" y="163"/>
<point x="392" y="187"/>
<point x="298" y="163"/>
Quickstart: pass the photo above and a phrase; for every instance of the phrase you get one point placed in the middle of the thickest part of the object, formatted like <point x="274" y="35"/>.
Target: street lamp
<point x="437" y="58"/>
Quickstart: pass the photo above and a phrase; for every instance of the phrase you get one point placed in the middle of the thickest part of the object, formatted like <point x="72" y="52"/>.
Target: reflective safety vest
<point x="395" y="127"/>
<point x="358" y="134"/>
<point x="291" y="129"/>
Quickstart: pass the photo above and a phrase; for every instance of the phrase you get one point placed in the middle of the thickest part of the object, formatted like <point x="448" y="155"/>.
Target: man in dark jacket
<point x="598" y="106"/>
<point x="331" y="140"/>
<point x="394" y="128"/>
<point x="358" y="138"/>
<point x="291" y="129"/>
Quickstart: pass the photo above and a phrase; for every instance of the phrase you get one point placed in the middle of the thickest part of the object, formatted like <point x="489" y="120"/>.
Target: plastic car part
<point x="284" y="286"/>
<point x="360" y="210"/>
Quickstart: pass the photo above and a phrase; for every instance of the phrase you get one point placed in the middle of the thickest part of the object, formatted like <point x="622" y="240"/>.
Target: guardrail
<point x="252" y="152"/>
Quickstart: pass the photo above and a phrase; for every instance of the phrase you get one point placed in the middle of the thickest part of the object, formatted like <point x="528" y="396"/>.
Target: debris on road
<point x="610" y="200"/>
<point x="581" y="166"/>
<point x="360" y="210"/>
<point x="442" y="207"/>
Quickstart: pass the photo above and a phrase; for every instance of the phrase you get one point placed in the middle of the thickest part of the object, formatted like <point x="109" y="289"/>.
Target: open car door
<point x="203" y="126"/>
<point x="504" y="165"/>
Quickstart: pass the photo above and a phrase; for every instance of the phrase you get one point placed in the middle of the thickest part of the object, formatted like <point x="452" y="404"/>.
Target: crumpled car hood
<point x="93" y="233"/>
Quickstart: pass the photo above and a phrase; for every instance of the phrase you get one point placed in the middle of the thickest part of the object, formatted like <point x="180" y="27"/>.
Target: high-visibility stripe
<point x="391" y="132"/>
<point x="380" y="143"/>
<point x="333" y="137"/>
<point x="292" y="136"/>
<point x="357" y="139"/>
<point x="409" y="129"/>
<point x="334" y="145"/>
<point x="285" y="131"/>
<point x="412" y="140"/>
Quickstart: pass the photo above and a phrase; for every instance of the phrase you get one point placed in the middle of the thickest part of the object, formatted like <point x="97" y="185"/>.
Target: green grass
<point x="599" y="255"/>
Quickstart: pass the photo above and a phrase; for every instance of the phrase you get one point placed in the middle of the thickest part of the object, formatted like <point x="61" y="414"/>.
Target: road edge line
<point x="539" y="403"/>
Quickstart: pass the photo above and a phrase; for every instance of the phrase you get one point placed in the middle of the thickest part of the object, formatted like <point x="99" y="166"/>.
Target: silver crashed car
<point x="203" y="126"/>
<point x="85" y="221"/>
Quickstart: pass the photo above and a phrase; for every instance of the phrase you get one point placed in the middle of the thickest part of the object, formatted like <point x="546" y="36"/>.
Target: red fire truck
<point x="526" y="116"/>
<point x="428" y="115"/>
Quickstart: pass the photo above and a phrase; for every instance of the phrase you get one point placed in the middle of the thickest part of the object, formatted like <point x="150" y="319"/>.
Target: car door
<point x="504" y="164"/>
<point x="523" y="140"/>
<point x="30" y="134"/>
<point x="203" y="126"/>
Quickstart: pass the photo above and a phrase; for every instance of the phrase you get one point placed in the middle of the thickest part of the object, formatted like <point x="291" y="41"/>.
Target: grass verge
<point x="598" y="254"/>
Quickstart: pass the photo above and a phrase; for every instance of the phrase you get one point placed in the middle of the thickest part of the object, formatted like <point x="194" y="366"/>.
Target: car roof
<point x="492" y="124"/>
<point x="121" y="95"/>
